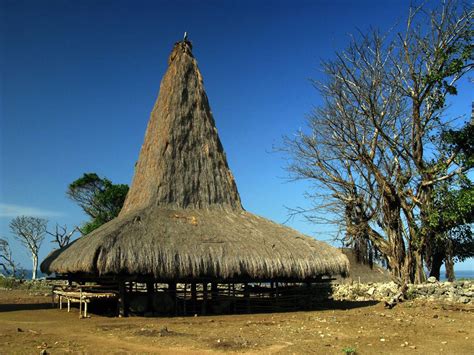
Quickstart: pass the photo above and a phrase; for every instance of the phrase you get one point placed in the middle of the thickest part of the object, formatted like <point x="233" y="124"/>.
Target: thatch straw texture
<point x="179" y="244"/>
<point x="182" y="162"/>
<point x="183" y="217"/>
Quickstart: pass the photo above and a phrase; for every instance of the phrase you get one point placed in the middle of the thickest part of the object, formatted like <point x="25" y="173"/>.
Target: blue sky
<point x="79" y="79"/>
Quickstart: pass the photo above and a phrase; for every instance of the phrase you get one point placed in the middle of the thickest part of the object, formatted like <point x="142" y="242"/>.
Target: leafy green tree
<point x="99" y="198"/>
<point x="453" y="208"/>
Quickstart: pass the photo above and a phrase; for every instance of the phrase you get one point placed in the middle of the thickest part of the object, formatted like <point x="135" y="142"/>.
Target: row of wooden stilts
<point x="191" y="300"/>
<point x="194" y="298"/>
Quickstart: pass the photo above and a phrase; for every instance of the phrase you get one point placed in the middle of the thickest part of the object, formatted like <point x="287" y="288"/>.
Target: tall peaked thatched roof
<point x="182" y="163"/>
<point x="183" y="217"/>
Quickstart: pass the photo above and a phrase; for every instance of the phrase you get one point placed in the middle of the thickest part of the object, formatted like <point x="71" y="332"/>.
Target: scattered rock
<point x="164" y="332"/>
<point x="431" y="279"/>
<point x="42" y="346"/>
<point x="459" y="292"/>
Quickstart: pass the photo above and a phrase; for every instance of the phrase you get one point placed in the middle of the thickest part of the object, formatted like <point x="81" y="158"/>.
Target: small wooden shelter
<point x="183" y="221"/>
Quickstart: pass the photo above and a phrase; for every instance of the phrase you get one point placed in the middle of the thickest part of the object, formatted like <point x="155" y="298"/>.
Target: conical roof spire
<point x="182" y="163"/>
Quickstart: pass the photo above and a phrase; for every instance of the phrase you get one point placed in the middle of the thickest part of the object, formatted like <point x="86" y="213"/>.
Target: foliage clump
<point x="98" y="197"/>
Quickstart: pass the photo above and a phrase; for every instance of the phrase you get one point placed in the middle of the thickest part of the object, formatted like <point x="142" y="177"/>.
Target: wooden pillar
<point x="150" y="291"/>
<point x="172" y="293"/>
<point x="185" y="295"/>
<point x="121" y="301"/>
<point x="204" y="298"/>
<point x="308" y="295"/>
<point x="276" y="295"/>
<point x="193" y="296"/>
<point x="234" y="306"/>
<point x="247" y="296"/>
<point x="214" y="291"/>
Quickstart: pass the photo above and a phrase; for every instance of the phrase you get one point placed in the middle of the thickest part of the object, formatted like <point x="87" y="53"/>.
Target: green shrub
<point x="349" y="350"/>
<point x="411" y="294"/>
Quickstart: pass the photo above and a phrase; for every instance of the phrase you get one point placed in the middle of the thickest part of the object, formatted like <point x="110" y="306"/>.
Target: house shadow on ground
<point x="256" y="300"/>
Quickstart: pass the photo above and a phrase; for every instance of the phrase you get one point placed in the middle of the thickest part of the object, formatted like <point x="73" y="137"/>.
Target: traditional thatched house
<point x="183" y="221"/>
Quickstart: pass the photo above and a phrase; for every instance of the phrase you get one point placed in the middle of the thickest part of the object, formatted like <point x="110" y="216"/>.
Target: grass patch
<point x="11" y="283"/>
<point x="8" y="282"/>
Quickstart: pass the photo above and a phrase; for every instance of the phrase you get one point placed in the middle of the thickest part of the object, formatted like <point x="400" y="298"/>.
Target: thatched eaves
<point x="198" y="244"/>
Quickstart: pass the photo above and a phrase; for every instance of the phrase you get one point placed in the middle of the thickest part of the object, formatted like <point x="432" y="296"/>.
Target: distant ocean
<point x="39" y="274"/>
<point x="460" y="274"/>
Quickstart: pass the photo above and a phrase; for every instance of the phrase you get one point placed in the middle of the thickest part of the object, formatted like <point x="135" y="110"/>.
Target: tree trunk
<point x="450" y="271"/>
<point x="391" y="207"/>
<point x="436" y="262"/>
<point x="397" y="256"/>
<point x="413" y="268"/>
<point x="35" y="266"/>
<point x="449" y="263"/>
<point x="419" y="273"/>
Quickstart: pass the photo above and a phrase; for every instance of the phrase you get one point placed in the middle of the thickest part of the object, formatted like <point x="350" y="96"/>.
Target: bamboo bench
<point x="82" y="295"/>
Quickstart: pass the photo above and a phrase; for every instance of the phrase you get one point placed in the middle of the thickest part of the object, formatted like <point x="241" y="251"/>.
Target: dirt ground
<point x="28" y="325"/>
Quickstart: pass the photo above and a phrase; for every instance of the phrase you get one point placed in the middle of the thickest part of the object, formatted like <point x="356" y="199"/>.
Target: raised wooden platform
<point x="82" y="294"/>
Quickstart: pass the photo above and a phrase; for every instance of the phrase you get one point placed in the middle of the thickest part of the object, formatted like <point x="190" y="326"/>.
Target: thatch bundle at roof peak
<point x="183" y="218"/>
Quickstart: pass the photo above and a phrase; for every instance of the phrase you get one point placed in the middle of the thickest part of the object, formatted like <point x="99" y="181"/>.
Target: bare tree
<point x="372" y="150"/>
<point x="6" y="258"/>
<point x="61" y="236"/>
<point x="30" y="231"/>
